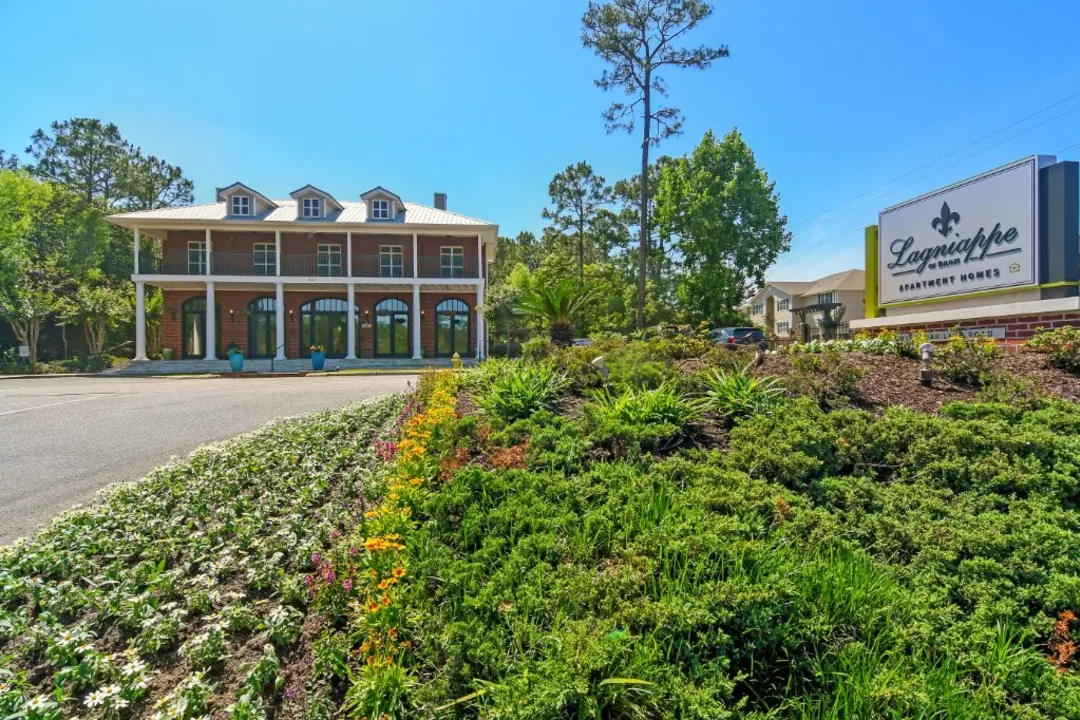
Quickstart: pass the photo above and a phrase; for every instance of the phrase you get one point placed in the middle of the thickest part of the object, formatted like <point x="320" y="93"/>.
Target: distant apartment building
<point x="798" y="303"/>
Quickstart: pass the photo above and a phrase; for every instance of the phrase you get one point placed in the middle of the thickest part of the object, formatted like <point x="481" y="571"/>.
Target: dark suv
<point x="739" y="336"/>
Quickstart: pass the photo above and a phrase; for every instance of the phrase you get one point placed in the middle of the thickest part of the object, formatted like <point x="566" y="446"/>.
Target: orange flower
<point x="399" y="572"/>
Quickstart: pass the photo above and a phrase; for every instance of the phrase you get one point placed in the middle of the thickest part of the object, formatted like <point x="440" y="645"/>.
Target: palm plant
<point x="555" y="305"/>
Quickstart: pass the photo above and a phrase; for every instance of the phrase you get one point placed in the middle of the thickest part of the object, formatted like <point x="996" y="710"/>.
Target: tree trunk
<point x="643" y="239"/>
<point x="63" y="340"/>
<point x="33" y="328"/>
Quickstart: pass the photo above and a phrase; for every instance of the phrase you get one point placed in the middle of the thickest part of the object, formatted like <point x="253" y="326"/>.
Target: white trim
<point x="279" y="321"/>
<point x="211" y="322"/>
<point x="415" y="260"/>
<point x="348" y="254"/>
<point x="209" y="249"/>
<point x="350" y="321"/>
<point x="315" y="203"/>
<point x="136" y="265"/>
<point x="265" y="248"/>
<point x="277" y="252"/>
<point x="416" y="322"/>
<point x="1030" y="307"/>
<point x="232" y="205"/>
<point x="481" y="351"/>
<point x="196" y="281"/>
<point x="375" y="209"/>
<point x="140" y="321"/>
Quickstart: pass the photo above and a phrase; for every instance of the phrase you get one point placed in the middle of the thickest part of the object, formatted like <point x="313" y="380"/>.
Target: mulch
<point x="892" y="380"/>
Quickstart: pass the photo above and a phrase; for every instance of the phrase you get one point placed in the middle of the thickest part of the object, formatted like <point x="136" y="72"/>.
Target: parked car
<point x="733" y="336"/>
<point x="583" y="342"/>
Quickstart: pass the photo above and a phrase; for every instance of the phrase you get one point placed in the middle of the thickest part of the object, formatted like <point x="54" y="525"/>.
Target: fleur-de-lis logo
<point x="944" y="224"/>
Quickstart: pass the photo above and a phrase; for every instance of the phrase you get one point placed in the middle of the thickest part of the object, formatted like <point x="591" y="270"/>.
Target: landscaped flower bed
<point x="182" y="595"/>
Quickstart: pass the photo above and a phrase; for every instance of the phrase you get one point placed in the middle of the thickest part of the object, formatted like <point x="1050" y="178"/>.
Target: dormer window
<point x="241" y="205"/>
<point x="312" y="207"/>
<point x="380" y="209"/>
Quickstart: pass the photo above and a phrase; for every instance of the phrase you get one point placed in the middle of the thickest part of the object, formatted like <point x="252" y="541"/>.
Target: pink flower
<point x="308" y="580"/>
<point x="353" y="551"/>
<point x="329" y="575"/>
<point x="315" y="559"/>
<point x="347" y="584"/>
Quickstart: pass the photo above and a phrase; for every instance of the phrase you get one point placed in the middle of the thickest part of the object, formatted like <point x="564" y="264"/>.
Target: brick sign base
<point x="1013" y="330"/>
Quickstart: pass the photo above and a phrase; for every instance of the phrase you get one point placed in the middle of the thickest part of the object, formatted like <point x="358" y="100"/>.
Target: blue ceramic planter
<point x="236" y="362"/>
<point x="318" y="359"/>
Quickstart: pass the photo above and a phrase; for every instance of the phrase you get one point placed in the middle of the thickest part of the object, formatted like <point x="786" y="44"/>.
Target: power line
<point x="946" y="167"/>
<point x="934" y="161"/>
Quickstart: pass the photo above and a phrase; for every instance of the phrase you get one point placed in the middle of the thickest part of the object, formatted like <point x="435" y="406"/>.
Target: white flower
<point x="112" y="689"/>
<point x="38" y="702"/>
<point x="93" y="699"/>
<point x="66" y="638"/>
<point x="133" y="668"/>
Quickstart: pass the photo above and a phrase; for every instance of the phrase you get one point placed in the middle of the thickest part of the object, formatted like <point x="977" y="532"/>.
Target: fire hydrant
<point x="455" y="361"/>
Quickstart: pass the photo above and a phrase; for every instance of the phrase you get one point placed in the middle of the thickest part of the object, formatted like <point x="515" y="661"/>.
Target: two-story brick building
<point x="377" y="278"/>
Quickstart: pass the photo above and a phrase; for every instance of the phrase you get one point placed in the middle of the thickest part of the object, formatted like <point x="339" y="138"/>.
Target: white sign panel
<point x="979" y="234"/>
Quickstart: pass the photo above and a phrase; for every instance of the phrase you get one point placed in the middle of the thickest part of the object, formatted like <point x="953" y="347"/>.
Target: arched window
<point x="193" y="339"/>
<point x="391" y="328"/>
<point x="262" y="327"/>
<point x="452" y="331"/>
<point x="325" y="322"/>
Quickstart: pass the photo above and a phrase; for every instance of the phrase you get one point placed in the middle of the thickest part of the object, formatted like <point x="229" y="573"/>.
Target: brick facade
<point x="233" y="317"/>
<point x="1018" y="328"/>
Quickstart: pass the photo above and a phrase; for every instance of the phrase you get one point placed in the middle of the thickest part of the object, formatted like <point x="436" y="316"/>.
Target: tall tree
<point x="8" y="161"/>
<point x="724" y="214"/>
<point x="85" y="155"/>
<point x="578" y="196"/>
<point x="150" y="183"/>
<point x="639" y="39"/>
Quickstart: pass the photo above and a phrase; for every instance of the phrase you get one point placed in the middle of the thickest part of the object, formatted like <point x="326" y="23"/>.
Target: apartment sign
<point x="979" y="234"/>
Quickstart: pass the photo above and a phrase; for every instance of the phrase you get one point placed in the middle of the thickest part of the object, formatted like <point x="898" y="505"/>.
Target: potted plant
<point x="318" y="357"/>
<point x="236" y="357"/>
<point x="166" y="353"/>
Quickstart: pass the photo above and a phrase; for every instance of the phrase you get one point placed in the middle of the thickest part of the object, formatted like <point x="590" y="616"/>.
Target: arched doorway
<point x="391" y="328"/>
<point x="262" y="327"/>
<point x="193" y="329"/>
<point x="452" y="332"/>
<point x="325" y="322"/>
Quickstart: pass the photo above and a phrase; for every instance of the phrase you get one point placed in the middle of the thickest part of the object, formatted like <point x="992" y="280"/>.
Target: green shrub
<point x="536" y="349"/>
<point x="735" y="394"/>
<point x="828" y="377"/>
<point x="1021" y="393"/>
<point x="1061" y="345"/>
<point x="515" y="390"/>
<point x="664" y="404"/>
<point x="966" y="361"/>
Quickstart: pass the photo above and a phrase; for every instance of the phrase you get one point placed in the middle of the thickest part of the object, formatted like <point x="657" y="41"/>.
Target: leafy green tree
<point x="639" y="39"/>
<point x="85" y="155"/>
<point x="578" y="196"/>
<point x="99" y="307"/>
<point x="8" y="161"/>
<point x="555" y="305"/>
<point x="50" y="242"/>
<point x="151" y="183"/>
<point x="724" y="214"/>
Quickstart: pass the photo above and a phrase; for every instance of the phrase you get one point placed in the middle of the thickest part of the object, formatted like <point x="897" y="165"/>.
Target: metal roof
<point x="352" y="213"/>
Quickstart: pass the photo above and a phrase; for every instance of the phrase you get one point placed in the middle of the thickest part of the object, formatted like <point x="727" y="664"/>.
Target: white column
<point x="277" y="253"/>
<point x="415" y="261"/>
<point x="480" y="349"/>
<point x="136" y="265"/>
<point x="280" y="318"/>
<point x="211" y="319"/>
<point x="140" y="316"/>
<point x="209" y="242"/>
<point x="481" y="346"/>
<point x="348" y="260"/>
<point x="350" y="333"/>
<point x="416" y="317"/>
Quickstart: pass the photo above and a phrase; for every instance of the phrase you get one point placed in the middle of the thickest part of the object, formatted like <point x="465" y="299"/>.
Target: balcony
<point x="184" y="262"/>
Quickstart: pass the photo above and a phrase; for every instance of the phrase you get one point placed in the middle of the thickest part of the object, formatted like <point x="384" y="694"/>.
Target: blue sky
<point x="487" y="100"/>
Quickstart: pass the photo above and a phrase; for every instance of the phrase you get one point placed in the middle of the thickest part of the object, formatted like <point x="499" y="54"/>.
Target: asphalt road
<point x="63" y="439"/>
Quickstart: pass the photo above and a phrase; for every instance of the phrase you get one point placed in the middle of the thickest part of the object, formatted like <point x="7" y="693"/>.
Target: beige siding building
<point x="844" y="287"/>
